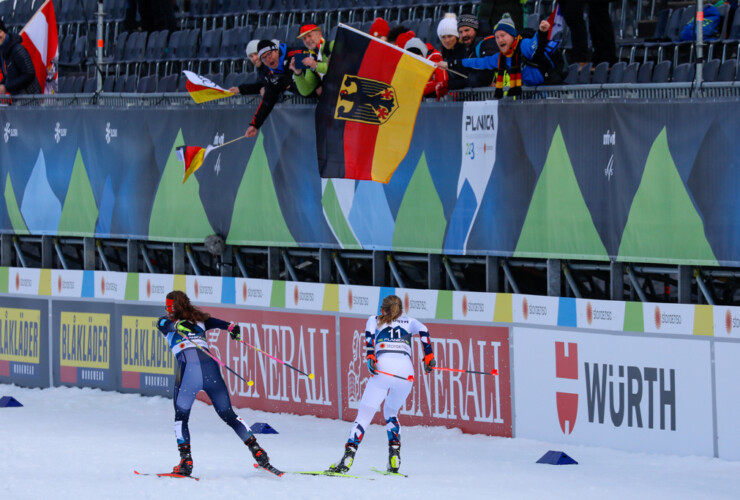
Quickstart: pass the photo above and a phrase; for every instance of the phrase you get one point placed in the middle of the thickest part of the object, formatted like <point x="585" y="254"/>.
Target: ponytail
<point x="391" y="309"/>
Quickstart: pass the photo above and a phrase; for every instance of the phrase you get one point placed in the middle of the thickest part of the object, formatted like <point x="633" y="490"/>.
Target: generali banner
<point x="478" y="404"/>
<point x="307" y="342"/>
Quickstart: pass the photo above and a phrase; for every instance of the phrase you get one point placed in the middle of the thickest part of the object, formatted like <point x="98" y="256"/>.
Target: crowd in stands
<point x="233" y="43"/>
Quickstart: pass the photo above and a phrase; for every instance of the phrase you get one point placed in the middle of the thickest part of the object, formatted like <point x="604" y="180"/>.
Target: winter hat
<point x="379" y="27"/>
<point x="468" y="20"/>
<point x="265" y="46"/>
<point x="416" y="44"/>
<point x="447" y="26"/>
<point x="404" y="38"/>
<point x="506" y="24"/>
<point x="252" y="46"/>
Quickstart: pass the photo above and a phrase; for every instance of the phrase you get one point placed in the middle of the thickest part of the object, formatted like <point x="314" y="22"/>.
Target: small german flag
<point x="367" y="111"/>
<point x="192" y="157"/>
<point x="202" y="89"/>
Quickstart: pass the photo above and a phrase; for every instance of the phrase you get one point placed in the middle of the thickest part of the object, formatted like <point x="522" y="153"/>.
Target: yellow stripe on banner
<point x="394" y="136"/>
<point x="206" y="95"/>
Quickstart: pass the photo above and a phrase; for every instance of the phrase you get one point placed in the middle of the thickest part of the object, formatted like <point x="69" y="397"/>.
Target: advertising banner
<point x="253" y="292"/>
<point x="66" y="283"/>
<point x="727" y="373"/>
<point x="600" y="314"/>
<point x="473" y="306"/>
<point x="24" y="342"/>
<point x="473" y="403"/>
<point x="110" y="285"/>
<point x="305" y="341"/>
<point x="147" y="363"/>
<point x="669" y="318"/>
<point x="84" y="349"/>
<point x="726" y="322"/>
<point x="27" y="281"/>
<point x="535" y="309"/>
<point x="356" y="299"/>
<point x="619" y="391"/>
<point x="204" y="289"/>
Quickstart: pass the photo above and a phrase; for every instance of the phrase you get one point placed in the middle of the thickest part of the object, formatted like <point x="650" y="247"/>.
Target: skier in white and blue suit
<point x="184" y="328"/>
<point x="388" y="350"/>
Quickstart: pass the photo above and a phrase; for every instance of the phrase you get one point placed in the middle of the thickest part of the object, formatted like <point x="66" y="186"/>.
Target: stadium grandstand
<point x="608" y="244"/>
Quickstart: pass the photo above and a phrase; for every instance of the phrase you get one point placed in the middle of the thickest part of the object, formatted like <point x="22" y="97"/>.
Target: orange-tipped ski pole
<point x="309" y="375"/>
<point x="410" y="378"/>
<point x="492" y="372"/>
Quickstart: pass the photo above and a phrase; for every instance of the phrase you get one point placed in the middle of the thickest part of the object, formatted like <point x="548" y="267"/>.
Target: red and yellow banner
<point x="202" y="89"/>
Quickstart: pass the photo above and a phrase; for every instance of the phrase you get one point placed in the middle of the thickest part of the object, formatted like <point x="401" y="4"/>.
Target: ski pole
<point x="309" y="375"/>
<point x="214" y="358"/>
<point x="492" y="372"/>
<point x="410" y="378"/>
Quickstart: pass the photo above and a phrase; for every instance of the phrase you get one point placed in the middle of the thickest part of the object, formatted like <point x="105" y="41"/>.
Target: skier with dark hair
<point x="184" y="328"/>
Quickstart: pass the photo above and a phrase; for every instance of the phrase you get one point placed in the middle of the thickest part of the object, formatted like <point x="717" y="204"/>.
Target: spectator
<point x="313" y="65"/>
<point x="16" y="66"/>
<point x="709" y="26"/>
<point x="380" y="29"/>
<point x="599" y="26"/>
<point x="476" y="46"/>
<point x="452" y="49"/>
<point x="276" y="59"/>
<point x="394" y="33"/>
<point x="257" y="87"/>
<point x="525" y="61"/>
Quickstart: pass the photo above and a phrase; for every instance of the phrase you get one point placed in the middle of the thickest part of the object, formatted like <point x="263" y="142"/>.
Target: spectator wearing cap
<point x="313" y="65"/>
<point x="523" y="60"/>
<point x="16" y="66"/>
<point x="476" y="46"/>
<point x="380" y="29"/>
<point x="257" y="87"/>
<point x="275" y="58"/>
<point x="452" y="49"/>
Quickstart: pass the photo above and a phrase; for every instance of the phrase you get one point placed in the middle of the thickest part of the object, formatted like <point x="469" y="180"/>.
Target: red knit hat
<point x="403" y="38"/>
<point x="379" y="27"/>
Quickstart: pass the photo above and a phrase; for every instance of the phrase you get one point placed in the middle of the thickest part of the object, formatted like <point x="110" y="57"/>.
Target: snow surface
<point x="86" y="443"/>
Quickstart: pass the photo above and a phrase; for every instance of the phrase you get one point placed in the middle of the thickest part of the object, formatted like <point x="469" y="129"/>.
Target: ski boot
<point x="260" y="455"/>
<point x="185" y="467"/>
<point x="394" y="456"/>
<point x="346" y="461"/>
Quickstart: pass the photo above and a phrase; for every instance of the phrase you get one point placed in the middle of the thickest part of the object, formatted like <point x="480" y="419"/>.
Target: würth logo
<point x="566" y="367"/>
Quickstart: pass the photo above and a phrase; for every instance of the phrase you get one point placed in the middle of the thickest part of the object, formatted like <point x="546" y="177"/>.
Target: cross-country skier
<point x="388" y="349"/>
<point x="184" y="328"/>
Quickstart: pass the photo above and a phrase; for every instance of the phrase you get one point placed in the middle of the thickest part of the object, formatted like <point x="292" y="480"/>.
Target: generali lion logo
<point x="525" y="308"/>
<point x="465" y="305"/>
<point x="296" y="295"/>
<point x="148" y="288"/>
<point x="350" y="298"/>
<point x="658" y="320"/>
<point x="195" y="286"/>
<point x="59" y="283"/>
<point x="244" y="291"/>
<point x="406" y="302"/>
<point x="102" y="285"/>
<point x="728" y="321"/>
<point x="17" y="281"/>
<point x="589" y="312"/>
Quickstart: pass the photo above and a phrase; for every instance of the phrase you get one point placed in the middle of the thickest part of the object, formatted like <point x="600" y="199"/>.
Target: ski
<point x="167" y="474"/>
<point x="388" y="473"/>
<point x="329" y="474"/>
<point x="271" y="469"/>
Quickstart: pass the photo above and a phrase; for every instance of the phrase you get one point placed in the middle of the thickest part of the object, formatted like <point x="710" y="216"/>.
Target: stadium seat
<point x="684" y="72"/>
<point x="147" y="85"/>
<point x="630" y="73"/>
<point x="168" y="83"/>
<point x="109" y="83"/>
<point x="616" y="73"/>
<point x="129" y="83"/>
<point x="727" y="71"/>
<point x="661" y="72"/>
<point x="645" y="73"/>
<point x="91" y="85"/>
<point x="584" y="75"/>
<point x="710" y="70"/>
<point x="209" y="49"/>
<point x="733" y="40"/>
<point x="572" y="77"/>
<point x="601" y="73"/>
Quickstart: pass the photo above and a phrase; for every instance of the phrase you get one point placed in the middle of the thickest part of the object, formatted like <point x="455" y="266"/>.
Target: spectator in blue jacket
<point x="524" y="60"/>
<point x="708" y="27"/>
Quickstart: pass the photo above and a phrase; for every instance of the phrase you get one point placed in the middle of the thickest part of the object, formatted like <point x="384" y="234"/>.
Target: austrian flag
<point x="40" y="40"/>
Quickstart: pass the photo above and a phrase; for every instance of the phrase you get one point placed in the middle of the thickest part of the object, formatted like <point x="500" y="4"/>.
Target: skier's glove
<point x="235" y="331"/>
<point x="371" y="364"/>
<point x="429" y="363"/>
<point x="186" y="326"/>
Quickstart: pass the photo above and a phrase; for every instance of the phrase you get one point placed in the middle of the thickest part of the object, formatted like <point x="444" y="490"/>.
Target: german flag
<point x="366" y="114"/>
<point x="201" y="89"/>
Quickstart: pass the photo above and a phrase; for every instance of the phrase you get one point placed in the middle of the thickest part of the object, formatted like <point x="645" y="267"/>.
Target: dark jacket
<point x="19" y="75"/>
<point x="481" y="47"/>
<point x="277" y="81"/>
<point x="456" y="53"/>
